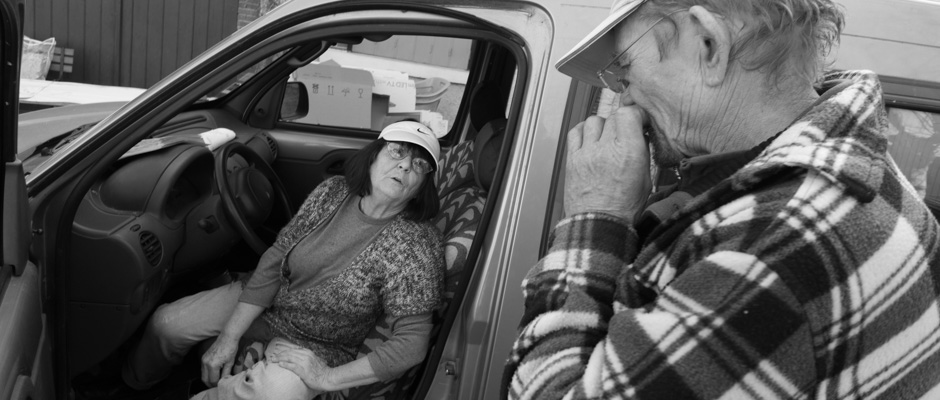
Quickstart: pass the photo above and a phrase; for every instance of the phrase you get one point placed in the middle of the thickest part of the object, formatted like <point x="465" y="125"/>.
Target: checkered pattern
<point x="813" y="272"/>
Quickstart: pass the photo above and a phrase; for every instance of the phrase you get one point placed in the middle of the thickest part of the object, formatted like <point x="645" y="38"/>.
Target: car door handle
<point x="336" y="168"/>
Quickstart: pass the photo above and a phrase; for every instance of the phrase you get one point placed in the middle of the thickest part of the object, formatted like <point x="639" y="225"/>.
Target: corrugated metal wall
<point x="440" y="51"/>
<point x="130" y="42"/>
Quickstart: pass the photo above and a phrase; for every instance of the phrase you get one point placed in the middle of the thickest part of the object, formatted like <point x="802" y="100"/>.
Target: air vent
<point x="271" y="144"/>
<point x="152" y="247"/>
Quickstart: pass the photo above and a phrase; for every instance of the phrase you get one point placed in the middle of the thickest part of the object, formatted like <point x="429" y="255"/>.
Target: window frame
<point x="913" y="95"/>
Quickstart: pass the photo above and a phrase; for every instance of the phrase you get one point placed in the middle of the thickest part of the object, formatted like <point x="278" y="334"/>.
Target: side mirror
<point x="296" y="102"/>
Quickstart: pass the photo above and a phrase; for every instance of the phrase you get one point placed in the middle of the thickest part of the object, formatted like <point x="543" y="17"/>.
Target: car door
<point x="25" y="357"/>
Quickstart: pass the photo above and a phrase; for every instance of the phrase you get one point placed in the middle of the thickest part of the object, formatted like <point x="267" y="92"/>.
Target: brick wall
<point x="248" y="10"/>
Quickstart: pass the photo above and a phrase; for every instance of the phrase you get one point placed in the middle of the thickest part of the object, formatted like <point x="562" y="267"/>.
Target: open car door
<point x="25" y="358"/>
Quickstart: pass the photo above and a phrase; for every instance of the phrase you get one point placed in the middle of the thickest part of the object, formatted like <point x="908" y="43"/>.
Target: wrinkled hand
<point x="303" y="362"/>
<point x="218" y="360"/>
<point x="608" y="165"/>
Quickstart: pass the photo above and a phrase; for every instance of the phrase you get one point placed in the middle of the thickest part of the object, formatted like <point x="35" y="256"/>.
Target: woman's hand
<point x="303" y="362"/>
<point x="218" y="360"/>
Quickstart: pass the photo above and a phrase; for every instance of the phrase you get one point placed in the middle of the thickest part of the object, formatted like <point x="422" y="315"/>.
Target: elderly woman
<point x="359" y="247"/>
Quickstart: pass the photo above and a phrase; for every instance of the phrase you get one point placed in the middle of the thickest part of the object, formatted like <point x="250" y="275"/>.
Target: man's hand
<point x="303" y="362"/>
<point x="218" y="360"/>
<point x="608" y="165"/>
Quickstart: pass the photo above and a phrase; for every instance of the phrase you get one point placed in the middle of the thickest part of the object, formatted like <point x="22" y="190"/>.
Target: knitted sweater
<point x="399" y="274"/>
<point x="812" y="272"/>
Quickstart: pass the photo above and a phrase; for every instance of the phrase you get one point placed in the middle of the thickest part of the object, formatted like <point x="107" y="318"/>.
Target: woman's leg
<point x="263" y="380"/>
<point x="175" y="328"/>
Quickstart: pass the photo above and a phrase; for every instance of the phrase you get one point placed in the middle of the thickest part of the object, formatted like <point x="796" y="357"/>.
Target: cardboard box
<point x="379" y="111"/>
<point x="399" y="88"/>
<point x="338" y="96"/>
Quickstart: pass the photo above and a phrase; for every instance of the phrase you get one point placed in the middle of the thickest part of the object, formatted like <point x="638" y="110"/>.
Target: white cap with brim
<point x="414" y="132"/>
<point x="595" y="50"/>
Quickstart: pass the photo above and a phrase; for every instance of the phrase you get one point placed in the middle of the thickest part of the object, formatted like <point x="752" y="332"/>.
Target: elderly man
<point x="790" y="260"/>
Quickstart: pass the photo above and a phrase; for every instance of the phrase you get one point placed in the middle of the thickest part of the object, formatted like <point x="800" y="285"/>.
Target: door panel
<point x="25" y="356"/>
<point x="306" y="159"/>
<point x="27" y="347"/>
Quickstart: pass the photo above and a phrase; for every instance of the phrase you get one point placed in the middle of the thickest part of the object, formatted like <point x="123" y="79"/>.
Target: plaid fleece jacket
<point x="812" y="272"/>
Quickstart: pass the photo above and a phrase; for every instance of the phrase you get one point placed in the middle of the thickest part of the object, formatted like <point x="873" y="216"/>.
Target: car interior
<point x="914" y="134"/>
<point x="173" y="215"/>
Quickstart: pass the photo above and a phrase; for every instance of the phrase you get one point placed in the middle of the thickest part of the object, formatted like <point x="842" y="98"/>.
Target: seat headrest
<point x="486" y="152"/>
<point x="486" y="104"/>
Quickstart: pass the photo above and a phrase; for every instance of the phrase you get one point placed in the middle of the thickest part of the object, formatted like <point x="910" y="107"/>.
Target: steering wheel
<point x="247" y="201"/>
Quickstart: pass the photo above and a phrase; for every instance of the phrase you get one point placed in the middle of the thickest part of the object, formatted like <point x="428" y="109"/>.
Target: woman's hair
<point x="422" y="207"/>
<point x="786" y="38"/>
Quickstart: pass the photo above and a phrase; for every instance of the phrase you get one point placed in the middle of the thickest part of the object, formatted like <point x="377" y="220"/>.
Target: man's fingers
<point x="625" y="122"/>
<point x="593" y="129"/>
<point x="574" y="137"/>
<point x="630" y="113"/>
<point x="585" y="133"/>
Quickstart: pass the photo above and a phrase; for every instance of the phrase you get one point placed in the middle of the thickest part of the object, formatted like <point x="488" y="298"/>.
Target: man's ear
<point x="715" y="45"/>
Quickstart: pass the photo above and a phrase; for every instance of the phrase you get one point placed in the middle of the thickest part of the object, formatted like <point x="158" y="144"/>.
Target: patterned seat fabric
<point x="462" y="201"/>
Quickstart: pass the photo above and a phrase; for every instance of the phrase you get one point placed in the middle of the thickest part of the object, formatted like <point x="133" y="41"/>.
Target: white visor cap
<point x="597" y="48"/>
<point x="416" y="133"/>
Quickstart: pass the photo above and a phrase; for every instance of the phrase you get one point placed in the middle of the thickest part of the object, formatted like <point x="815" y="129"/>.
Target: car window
<point x="376" y="82"/>
<point x="914" y="143"/>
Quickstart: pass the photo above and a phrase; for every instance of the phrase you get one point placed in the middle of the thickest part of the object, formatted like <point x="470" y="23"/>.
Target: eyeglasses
<point x="398" y="151"/>
<point x="614" y="81"/>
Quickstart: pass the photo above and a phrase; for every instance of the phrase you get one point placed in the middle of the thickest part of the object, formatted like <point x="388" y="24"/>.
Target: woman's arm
<point x="406" y="347"/>
<point x="356" y="373"/>
<point x="316" y="374"/>
<point x="265" y="280"/>
<point x="258" y="294"/>
<point x="218" y="360"/>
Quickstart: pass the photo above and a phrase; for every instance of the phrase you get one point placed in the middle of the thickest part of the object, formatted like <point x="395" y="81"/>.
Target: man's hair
<point x="423" y="206"/>
<point x="785" y="38"/>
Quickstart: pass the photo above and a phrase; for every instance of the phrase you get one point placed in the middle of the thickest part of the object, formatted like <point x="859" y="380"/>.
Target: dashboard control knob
<point x="208" y="224"/>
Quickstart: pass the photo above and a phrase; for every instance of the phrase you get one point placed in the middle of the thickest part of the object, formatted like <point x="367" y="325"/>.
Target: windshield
<point x="33" y="157"/>
<point x="240" y="79"/>
<point x="45" y="131"/>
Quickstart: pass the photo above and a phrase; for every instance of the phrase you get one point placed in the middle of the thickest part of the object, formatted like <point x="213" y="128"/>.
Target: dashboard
<point x="154" y="219"/>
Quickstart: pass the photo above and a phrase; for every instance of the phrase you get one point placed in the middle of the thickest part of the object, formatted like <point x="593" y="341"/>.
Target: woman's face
<point x="395" y="180"/>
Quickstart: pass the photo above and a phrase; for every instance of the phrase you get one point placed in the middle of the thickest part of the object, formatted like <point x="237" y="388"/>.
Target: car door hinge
<point x="450" y="368"/>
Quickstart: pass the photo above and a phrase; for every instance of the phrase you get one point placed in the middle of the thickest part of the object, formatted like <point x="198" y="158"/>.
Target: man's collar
<point x="841" y="137"/>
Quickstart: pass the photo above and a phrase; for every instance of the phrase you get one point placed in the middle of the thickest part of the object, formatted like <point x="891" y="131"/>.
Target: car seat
<point x="463" y="182"/>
